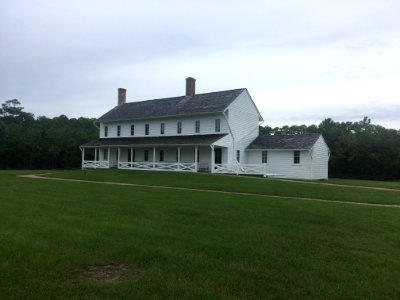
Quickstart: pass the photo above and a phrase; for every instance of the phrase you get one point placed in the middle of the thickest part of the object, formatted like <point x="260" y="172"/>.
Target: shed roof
<point x="199" y="140"/>
<point x="176" y="106"/>
<point x="288" y="142"/>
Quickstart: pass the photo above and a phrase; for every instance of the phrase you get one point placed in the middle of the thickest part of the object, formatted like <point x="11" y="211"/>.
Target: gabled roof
<point x="205" y="139"/>
<point x="288" y="142"/>
<point x="176" y="106"/>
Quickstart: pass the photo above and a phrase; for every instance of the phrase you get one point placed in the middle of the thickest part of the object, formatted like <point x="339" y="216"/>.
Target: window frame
<point x="132" y="129"/>
<point x="146" y="129"/>
<point x="118" y="130"/>
<point x="296" y="157"/>
<point x="238" y="156"/>
<point x="105" y="131"/>
<point x="179" y="127"/>
<point x="264" y="157"/>
<point x="162" y="128"/>
<point x="197" y="126"/>
<point x="217" y="125"/>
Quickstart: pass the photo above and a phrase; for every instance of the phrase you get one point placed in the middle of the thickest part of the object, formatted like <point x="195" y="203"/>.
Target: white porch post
<point x="212" y="158"/>
<point x="195" y="158"/>
<point x="83" y="157"/>
<point x="179" y="158"/>
<point x="95" y="154"/>
<point x="154" y="157"/>
<point x="119" y="154"/>
<point x="131" y="157"/>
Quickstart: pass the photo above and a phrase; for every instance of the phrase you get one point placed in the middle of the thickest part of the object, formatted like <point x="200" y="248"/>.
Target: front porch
<point x="162" y="158"/>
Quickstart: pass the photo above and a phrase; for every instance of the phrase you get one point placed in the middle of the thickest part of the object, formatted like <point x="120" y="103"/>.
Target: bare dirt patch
<point x="107" y="274"/>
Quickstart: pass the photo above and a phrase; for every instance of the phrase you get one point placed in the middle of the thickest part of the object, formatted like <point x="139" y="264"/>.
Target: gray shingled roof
<point x="176" y="106"/>
<point x="293" y="142"/>
<point x="206" y="139"/>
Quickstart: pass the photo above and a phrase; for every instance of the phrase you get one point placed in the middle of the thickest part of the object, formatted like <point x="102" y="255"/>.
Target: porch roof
<point x="199" y="140"/>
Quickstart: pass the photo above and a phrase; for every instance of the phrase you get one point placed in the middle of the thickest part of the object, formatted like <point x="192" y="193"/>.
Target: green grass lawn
<point x="193" y="245"/>
<point x="369" y="183"/>
<point x="232" y="183"/>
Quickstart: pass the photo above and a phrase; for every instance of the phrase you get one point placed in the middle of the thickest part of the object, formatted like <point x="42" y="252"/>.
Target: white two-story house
<point x="215" y="132"/>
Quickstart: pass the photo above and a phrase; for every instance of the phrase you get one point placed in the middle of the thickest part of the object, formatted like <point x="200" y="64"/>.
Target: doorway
<point x="218" y="156"/>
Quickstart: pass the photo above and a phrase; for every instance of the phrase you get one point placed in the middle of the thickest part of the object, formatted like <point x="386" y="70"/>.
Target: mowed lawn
<point x="194" y="244"/>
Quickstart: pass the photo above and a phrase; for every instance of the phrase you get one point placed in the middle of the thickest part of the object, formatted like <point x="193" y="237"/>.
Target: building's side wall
<point x="244" y="121"/>
<point x="207" y="126"/>
<point x="280" y="162"/>
<point x="320" y="158"/>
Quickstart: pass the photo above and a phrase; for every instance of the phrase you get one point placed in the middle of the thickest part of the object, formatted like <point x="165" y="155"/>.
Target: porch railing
<point x="249" y="169"/>
<point x="158" y="166"/>
<point x="95" y="164"/>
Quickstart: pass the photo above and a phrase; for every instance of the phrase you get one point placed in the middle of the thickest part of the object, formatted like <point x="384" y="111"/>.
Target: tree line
<point x="29" y="142"/>
<point x="357" y="149"/>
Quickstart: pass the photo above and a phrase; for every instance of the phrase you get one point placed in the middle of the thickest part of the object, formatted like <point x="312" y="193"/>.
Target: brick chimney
<point x="121" y="96"/>
<point x="190" y="86"/>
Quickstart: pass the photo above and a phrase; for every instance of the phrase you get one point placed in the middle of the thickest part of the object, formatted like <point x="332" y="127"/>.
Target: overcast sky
<point x="301" y="60"/>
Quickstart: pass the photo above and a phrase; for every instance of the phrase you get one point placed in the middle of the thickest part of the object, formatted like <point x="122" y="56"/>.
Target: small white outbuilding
<point x="302" y="156"/>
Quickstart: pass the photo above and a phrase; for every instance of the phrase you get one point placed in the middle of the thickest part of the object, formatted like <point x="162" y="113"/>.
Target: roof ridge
<point x="183" y="96"/>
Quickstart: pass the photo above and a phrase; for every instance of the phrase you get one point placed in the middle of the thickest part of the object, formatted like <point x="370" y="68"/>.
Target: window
<point x="146" y="129"/>
<point x="238" y="155"/>
<point x="146" y="155"/>
<point x="132" y="129"/>
<point x="161" y="155"/>
<point x="162" y="128"/>
<point x="197" y="126"/>
<point x="179" y="127"/>
<point x="264" y="157"/>
<point x="119" y="130"/>
<point x="105" y="131"/>
<point x="131" y="155"/>
<point x="217" y="125"/>
<point x="105" y="154"/>
<point x="296" y="156"/>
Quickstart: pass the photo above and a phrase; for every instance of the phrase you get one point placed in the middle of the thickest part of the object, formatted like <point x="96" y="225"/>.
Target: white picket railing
<point x="190" y="167"/>
<point x="95" y="164"/>
<point x="249" y="169"/>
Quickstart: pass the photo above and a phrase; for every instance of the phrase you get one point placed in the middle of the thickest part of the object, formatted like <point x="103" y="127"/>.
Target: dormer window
<point x="146" y="129"/>
<point x="119" y="130"/>
<point x="179" y="127"/>
<point x="217" y="125"/>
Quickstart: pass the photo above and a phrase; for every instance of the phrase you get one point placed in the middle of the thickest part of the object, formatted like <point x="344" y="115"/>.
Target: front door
<point x="218" y="156"/>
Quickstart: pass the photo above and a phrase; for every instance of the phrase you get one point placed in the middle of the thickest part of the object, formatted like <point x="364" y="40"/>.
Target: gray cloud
<point x="70" y="56"/>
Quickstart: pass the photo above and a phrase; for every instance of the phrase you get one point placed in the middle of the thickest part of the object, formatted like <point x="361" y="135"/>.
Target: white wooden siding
<point x="280" y="162"/>
<point x="320" y="158"/>
<point x="244" y="120"/>
<point x="313" y="163"/>
<point x="207" y="126"/>
<point x="243" y="117"/>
